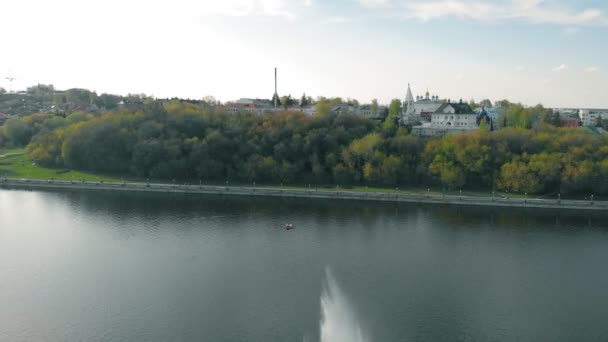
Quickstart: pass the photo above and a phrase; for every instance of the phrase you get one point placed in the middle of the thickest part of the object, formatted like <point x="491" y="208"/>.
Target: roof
<point x="409" y="98"/>
<point x="459" y="108"/>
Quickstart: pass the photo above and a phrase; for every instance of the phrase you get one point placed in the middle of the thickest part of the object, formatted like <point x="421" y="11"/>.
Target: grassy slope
<point x="14" y="164"/>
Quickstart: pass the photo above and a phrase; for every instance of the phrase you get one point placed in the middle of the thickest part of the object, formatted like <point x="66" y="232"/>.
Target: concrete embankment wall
<point x="304" y="193"/>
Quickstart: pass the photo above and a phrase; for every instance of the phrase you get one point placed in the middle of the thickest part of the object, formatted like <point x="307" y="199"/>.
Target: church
<point x="420" y="110"/>
<point x="431" y="116"/>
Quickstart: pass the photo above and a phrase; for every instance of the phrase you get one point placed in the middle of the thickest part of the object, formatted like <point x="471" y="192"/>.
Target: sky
<point x="553" y="52"/>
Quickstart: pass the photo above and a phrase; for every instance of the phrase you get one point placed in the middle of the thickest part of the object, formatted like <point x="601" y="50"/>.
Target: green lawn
<point x="14" y="164"/>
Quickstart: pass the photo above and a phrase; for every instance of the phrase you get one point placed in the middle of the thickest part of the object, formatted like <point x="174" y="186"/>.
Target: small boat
<point x="288" y="226"/>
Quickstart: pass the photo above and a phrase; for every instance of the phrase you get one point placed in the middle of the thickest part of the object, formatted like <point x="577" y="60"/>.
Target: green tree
<point x="486" y="103"/>
<point x="450" y="174"/>
<point x="390" y="124"/>
<point x="374" y="107"/>
<point x="304" y="101"/>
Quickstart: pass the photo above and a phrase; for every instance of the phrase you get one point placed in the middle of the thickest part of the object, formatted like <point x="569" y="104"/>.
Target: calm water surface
<point x="87" y="266"/>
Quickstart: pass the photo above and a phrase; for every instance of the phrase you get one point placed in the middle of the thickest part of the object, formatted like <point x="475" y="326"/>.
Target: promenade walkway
<point x="305" y="193"/>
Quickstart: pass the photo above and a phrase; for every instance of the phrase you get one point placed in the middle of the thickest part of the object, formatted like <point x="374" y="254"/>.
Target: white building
<point x="258" y="106"/>
<point x="589" y="116"/>
<point x="421" y="109"/>
<point x="449" y="118"/>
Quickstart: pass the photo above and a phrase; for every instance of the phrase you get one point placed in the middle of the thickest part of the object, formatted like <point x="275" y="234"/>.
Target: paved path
<point x="307" y="193"/>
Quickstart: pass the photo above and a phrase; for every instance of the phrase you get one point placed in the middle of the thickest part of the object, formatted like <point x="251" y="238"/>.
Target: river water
<point x="94" y="266"/>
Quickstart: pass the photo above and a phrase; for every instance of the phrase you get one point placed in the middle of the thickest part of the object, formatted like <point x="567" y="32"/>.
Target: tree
<point x="486" y="103"/>
<point x="284" y="102"/>
<point x="393" y="115"/>
<point x="2" y="91"/>
<point x="304" y="101"/>
<point x="374" y="107"/>
<point x="598" y="122"/>
<point x="276" y="99"/>
<point x="483" y="124"/>
<point x="210" y="100"/>
<point x="322" y="108"/>
<point x="450" y="174"/>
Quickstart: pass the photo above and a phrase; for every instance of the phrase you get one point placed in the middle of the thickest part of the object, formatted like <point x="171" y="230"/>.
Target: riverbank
<point x="9" y="183"/>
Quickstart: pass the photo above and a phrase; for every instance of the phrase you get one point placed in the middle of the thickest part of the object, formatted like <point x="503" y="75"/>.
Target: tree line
<point x="183" y="141"/>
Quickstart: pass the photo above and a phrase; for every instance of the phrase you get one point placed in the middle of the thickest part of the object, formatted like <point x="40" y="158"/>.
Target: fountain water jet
<point x="338" y="321"/>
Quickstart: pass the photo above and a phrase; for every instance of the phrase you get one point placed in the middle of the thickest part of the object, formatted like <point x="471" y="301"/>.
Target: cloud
<point x="427" y="10"/>
<point x="560" y="68"/>
<point x="338" y="20"/>
<point x="520" y="68"/>
<point x="536" y="11"/>
<point x="591" y="69"/>
<point x="374" y="3"/>
<point x="241" y="8"/>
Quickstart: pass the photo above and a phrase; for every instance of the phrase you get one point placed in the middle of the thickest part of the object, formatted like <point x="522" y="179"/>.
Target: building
<point x="258" y="106"/>
<point x="364" y="110"/>
<point x="308" y="109"/>
<point x="449" y="118"/>
<point x="570" y="121"/>
<point x="492" y="112"/>
<point x="589" y="116"/>
<point x="421" y="109"/>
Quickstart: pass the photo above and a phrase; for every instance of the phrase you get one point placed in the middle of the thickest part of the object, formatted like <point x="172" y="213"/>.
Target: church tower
<point x="408" y="113"/>
<point x="408" y="104"/>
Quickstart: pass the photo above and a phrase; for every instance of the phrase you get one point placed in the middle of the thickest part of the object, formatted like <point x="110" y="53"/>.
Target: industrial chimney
<point x="276" y="94"/>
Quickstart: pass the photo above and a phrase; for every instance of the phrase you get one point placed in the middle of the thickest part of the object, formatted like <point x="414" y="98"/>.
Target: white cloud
<point x="531" y="10"/>
<point x="591" y="69"/>
<point x="374" y="3"/>
<point x="427" y="10"/>
<point x="560" y="68"/>
<point x="271" y="8"/>
<point x="520" y="68"/>
<point x="338" y="20"/>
